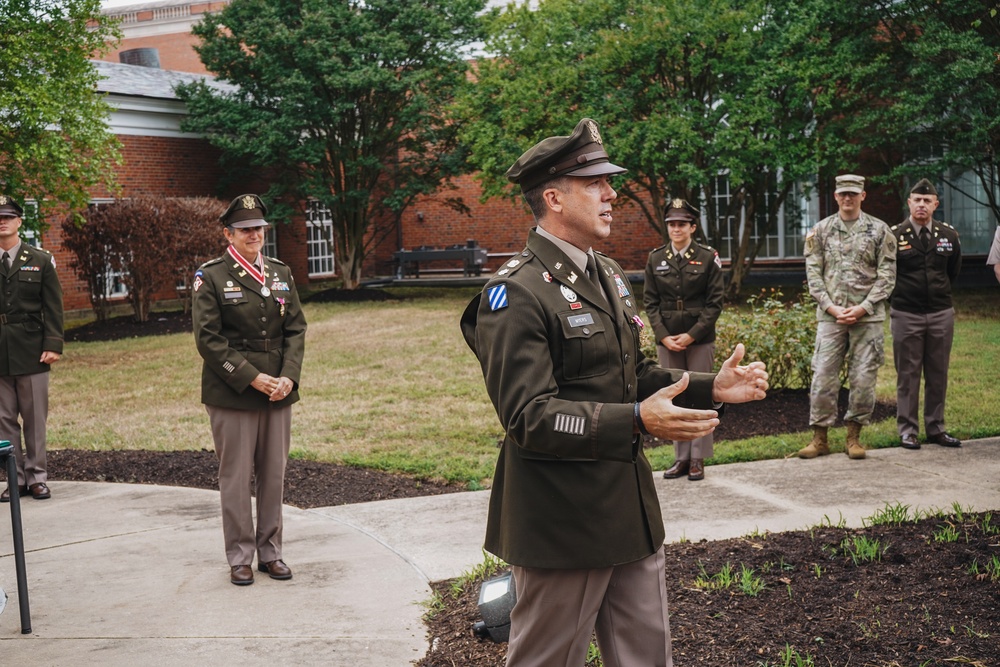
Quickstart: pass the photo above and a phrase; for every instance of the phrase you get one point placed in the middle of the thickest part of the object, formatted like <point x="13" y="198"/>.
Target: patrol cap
<point x="10" y="208"/>
<point x="850" y="183"/>
<point x="924" y="187"/>
<point x="245" y="211"/>
<point x="580" y="154"/>
<point x="681" y="210"/>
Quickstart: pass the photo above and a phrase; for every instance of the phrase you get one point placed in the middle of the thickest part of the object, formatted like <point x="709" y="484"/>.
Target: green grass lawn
<point x="393" y="386"/>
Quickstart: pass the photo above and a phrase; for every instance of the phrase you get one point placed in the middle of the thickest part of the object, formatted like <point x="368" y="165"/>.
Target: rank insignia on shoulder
<point x="503" y="272"/>
<point x="514" y="262"/>
<point x="497" y="296"/>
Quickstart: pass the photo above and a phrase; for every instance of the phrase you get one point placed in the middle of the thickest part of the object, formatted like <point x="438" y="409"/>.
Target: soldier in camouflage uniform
<point x="851" y="269"/>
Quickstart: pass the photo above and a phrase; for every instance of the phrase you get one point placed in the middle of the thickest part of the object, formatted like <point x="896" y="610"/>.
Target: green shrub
<point x="779" y="334"/>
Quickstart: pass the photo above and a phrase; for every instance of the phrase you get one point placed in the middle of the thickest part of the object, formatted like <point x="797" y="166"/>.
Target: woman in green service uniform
<point x="250" y="332"/>
<point x="683" y="295"/>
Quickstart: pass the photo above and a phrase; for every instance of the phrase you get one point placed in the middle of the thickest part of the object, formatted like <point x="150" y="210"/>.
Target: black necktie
<point x="925" y="238"/>
<point x="6" y="261"/>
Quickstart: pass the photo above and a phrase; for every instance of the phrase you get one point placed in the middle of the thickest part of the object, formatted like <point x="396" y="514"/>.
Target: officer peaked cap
<point x="923" y="187"/>
<point x="245" y="211"/>
<point x="580" y="154"/>
<point x="682" y="210"/>
<point x="10" y="208"/>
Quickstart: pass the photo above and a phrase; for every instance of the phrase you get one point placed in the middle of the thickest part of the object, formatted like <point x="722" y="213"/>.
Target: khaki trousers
<point x="252" y="446"/>
<point x="700" y="359"/>
<point x="27" y="396"/>
<point x="558" y="610"/>
<point x="921" y="342"/>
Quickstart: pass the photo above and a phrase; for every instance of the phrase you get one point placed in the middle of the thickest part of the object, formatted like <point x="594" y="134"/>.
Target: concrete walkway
<point x="135" y="575"/>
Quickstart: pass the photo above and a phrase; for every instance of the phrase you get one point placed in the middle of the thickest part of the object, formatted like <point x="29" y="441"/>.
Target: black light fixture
<point x="420" y="216"/>
<point x="496" y="600"/>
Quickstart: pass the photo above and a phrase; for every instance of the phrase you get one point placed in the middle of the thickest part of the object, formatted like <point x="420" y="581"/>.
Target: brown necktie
<point x="592" y="273"/>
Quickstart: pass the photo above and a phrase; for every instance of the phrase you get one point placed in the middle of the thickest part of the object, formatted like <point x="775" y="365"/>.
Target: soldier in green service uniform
<point x="683" y="292"/>
<point x="851" y="270"/>
<point x="922" y="316"/>
<point x="250" y="332"/>
<point x="31" y="340"/>
<point x="573" y="506"/>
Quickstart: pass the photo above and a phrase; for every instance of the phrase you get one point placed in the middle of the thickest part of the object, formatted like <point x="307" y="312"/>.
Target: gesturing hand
<point x="740" y="384"/>
<point x="669" y="422"/>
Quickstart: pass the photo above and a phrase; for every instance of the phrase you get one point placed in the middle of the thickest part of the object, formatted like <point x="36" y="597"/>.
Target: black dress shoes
<point x="909" y="441"/>
<point x="241" y="575"/>
<point x="276" y="569"/>
<point x="678" y="469"/>
<point x="944" y="440"/>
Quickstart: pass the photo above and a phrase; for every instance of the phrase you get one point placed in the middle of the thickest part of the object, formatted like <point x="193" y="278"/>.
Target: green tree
<point x="54" y="140"/>
<point x="690" y="94"/>
<point x="337" y="101"/>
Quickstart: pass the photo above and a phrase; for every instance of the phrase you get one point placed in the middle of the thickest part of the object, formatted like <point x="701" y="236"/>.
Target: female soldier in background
<point x="683" y="295"/>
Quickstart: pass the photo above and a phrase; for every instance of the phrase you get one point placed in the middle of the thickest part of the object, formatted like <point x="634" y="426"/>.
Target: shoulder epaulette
<point x="211" y="262"/>
<point x="275" y="260"/>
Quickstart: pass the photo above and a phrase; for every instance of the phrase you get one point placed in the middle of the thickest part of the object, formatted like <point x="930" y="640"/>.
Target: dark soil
<point x="919" y="605"/>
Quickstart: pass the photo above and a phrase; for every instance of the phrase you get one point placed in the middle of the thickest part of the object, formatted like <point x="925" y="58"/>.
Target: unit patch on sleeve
<point x="570" y="424"/>
<point x="497" y="296"/>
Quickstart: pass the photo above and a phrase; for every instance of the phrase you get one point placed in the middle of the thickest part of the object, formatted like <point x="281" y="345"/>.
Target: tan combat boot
<point x="818" y="446"/>
<point x="853" y="447"/>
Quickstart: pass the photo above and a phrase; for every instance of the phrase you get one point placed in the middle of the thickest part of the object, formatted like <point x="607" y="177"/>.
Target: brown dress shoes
<point x="5" y="496"/>
<point x="697" y="470"/>
<point x="39" y="491"/>
<point x="276" y="569"/>
<point x="678" y="469"/>
<point x="909" y="441"/>
<point x="241" y="575"/>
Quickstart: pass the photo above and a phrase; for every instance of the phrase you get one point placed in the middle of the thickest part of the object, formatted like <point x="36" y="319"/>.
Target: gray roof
<point x="136" y="81"/>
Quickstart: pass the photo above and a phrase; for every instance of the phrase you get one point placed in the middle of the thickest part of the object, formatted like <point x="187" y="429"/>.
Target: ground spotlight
<point x="496" y="600"/>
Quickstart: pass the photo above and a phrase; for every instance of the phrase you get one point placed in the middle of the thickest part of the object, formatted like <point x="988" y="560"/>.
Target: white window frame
<point x="319" y="254"/>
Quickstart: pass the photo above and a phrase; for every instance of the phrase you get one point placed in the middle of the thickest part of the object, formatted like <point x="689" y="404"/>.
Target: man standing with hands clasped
<point x="851" y="269"/>
<point x="573" y="507"/>
<point x="31" y="339"/>
<point x="922" y="318"/>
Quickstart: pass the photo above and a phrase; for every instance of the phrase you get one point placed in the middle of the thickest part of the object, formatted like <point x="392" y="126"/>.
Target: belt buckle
<point x="3" y="318"/>
<point x="680" y="304"/>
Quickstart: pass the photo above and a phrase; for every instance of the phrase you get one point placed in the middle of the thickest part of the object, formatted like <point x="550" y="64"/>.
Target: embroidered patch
<point x="497" y="296"/>
<point x="198" y="282"/>
<point x="228" y="367"/>
<point x="567" y="293"/>
<point x="718" y="260"/>
<point x="570" y="424"/>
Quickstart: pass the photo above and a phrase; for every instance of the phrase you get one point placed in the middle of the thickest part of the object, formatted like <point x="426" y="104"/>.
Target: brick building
<point x="161" y="160"/>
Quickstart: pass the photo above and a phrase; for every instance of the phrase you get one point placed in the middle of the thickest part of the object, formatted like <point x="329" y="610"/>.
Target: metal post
<point x="7" y="452"/>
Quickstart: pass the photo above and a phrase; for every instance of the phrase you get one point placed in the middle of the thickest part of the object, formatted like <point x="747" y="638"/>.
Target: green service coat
<point x="572" y="487"/>
<point x="241" y="333"/>
<point x="31" y="312"/>
<point x="684" y="295"/>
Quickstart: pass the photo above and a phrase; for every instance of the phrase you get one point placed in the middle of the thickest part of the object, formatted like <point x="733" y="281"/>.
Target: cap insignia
<point x="677" y="203"/>
<point x="594" y="133"/>
<point x="3" y="200"/>
<point x="249" y="203"/>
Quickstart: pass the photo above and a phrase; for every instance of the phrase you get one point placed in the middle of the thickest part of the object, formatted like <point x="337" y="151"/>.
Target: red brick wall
<point x="501" y="226"/>
<point x="176" y="51"/>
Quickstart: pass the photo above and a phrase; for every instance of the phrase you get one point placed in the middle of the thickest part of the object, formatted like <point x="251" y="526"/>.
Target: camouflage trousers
<point x="863" y="346"/>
